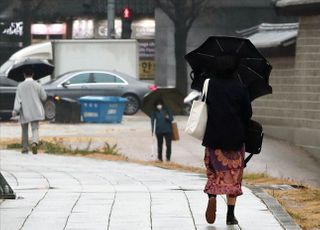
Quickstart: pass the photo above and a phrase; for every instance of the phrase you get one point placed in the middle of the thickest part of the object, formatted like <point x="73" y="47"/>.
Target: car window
<point x="107" y="78"/>
<point x="80" y="78"/>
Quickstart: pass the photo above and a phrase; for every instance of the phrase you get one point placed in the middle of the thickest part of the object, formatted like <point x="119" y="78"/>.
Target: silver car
<point x="76" y="84"/>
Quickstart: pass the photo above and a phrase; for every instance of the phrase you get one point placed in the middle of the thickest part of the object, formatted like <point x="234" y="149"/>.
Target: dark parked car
<point x="8" y="89"/>
<point x="76" y="84"/>
<point x="7" y="94"/>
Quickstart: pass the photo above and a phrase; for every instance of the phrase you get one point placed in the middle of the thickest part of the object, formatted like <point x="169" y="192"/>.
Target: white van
<point x="37" y="51"/>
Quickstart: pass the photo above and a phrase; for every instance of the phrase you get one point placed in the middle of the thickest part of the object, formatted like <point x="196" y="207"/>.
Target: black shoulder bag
<point x="254" y="139"/>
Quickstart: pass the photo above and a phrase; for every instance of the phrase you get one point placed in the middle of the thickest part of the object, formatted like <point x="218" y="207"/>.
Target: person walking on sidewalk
<point x="229" y="111"/>
<point x="28" y="104"/>
<point x="161" y="119"/>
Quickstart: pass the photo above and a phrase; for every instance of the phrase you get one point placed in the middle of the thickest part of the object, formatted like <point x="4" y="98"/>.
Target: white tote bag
<point x="197" y="122"/>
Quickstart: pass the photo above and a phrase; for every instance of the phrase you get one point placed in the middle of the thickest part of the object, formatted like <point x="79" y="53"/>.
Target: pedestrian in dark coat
<point x="161" y="119"/>
<point x="229" y="111"/>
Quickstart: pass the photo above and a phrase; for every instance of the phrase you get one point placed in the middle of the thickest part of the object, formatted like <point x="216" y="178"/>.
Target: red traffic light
<point x="127" y="13"/>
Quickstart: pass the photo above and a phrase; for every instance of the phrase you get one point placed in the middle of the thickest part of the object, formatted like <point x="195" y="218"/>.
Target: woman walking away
<point x="161" y="119"/>
<point x="28" y="104"/>
<point x="229" y="111"/>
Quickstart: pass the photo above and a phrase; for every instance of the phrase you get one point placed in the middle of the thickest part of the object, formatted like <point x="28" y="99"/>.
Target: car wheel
<point x="50" y="109"/>
<point x="132" y="105"/>
<point x="5" y="117"/>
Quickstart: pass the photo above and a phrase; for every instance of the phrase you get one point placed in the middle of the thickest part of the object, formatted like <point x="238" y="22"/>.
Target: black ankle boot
<point x="231" y="220"/>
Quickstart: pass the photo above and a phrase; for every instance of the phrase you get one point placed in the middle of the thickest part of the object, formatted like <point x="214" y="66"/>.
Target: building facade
<point x="79" y="19"/>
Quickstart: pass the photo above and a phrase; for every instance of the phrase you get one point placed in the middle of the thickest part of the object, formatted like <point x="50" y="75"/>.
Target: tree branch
<point x="196" y="8"/>
<point x="166" y="8"/>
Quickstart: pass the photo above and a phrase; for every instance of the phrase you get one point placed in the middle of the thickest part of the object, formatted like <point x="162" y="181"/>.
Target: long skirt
<point x="224" y="171"/>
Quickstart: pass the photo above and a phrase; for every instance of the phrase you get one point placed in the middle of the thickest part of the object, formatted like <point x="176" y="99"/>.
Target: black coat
<point x="229" y="111"/>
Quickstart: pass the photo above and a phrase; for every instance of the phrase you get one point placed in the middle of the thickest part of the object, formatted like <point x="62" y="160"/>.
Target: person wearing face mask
<point x="161" y="119"/>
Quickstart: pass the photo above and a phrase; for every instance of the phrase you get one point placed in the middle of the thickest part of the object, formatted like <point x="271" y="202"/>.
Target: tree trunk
<point x="180" y="40"/>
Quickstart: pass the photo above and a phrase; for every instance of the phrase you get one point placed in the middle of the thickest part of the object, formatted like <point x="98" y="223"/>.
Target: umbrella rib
<point x="207" y="55"/>
<point x="253" y="71"/>
<point x="240" y="47"/>
<point x="222" y="50"/>
<point x="251" y="58"/>
<point x="240" y="79"/>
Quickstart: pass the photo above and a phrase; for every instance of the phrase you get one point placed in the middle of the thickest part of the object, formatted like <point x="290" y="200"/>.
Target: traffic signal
<point x="126" y="23"/>
<point x="127" y="13"/>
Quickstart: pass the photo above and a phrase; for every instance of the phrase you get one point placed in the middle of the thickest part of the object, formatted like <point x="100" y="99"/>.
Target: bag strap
<point x="248" y="159"/>
<point x="205" y="89"/>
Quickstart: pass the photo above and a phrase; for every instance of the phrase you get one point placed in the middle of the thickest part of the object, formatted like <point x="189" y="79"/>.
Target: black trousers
<point x="168" y="138"/>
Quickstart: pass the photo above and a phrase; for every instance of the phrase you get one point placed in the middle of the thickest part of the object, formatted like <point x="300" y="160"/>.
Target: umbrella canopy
<point x="171" y="97"/>
<point x="220" y="55"/>
<point x="41" y="68"/>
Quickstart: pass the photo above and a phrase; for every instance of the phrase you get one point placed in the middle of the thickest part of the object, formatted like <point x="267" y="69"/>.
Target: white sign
<point x="44" y="29"/>
<point x="15" y="28"/>
<point x="144" y="28"/>
<point x="83" y="28"/>
<point x="101" y="28"/>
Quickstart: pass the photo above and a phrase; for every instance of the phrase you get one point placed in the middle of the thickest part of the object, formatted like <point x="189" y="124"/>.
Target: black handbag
<point x="254" y="138"/>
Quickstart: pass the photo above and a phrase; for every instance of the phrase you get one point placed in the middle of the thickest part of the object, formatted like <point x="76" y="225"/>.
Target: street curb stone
<point x="276" y="209"/>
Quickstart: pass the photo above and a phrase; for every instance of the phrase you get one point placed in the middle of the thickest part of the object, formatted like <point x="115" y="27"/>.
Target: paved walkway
<point x="61" y="192"/>
<point x="133" y="137"/>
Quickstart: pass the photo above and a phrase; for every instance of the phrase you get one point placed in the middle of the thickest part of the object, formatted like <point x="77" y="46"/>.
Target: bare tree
<point x="182" y="13"/>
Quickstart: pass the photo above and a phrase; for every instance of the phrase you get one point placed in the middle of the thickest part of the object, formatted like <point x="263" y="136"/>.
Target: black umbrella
<point x="171" y="97"/>
<point x="230" y="55"/>
<point x="41" y="68"/>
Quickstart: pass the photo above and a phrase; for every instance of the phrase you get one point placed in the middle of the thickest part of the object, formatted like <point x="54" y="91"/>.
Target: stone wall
<point x="292" y="112"/>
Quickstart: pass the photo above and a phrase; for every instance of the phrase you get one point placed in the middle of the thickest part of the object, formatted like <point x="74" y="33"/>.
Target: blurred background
<point x="285" y="31"/>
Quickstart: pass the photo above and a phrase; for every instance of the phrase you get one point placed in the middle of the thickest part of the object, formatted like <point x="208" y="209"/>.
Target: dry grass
<point x="171" y="165"/>
<point x="263" y="178"/>
<point x="101" y="156"/>
<point x="302" y="203"/>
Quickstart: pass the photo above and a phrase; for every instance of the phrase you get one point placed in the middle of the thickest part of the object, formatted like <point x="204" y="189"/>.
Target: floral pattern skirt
<point x="224" y="171"/>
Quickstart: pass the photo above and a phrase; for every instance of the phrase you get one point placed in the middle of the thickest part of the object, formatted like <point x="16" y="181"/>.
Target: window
<point x="107" y="78"/>
<point x="80" y="78"/>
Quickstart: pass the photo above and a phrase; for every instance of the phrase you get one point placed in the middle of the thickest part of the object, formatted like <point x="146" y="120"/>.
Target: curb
<point x="276" y="209"/>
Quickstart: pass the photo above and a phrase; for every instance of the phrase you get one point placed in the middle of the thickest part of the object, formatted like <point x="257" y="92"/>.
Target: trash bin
<point x="102" y="109"/>
<point x="67" y="111"/>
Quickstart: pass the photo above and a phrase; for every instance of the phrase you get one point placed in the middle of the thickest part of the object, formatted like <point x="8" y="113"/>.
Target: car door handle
<point x="84" y="87"/>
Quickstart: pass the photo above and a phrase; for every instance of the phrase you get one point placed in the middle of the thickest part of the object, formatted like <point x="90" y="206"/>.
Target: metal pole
<point x="111" y="13"/>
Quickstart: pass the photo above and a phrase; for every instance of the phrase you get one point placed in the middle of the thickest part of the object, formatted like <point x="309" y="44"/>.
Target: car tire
<point x="5" y="117"/>
<point x="50" y="109"/>
<point x="133" y="104"/>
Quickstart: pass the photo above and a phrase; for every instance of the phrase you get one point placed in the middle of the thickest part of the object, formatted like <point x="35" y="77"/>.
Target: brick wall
<point x="292" y="112"/>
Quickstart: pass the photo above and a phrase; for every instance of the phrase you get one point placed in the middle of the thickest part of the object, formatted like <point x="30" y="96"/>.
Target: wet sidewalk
<point x="133" y="138"/>
<point x="61" y="192"/>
